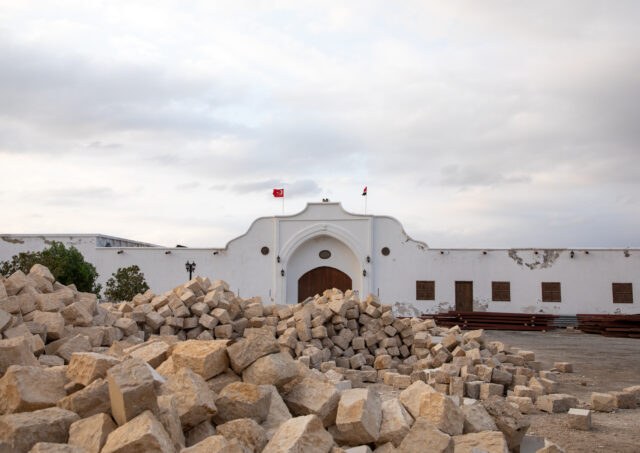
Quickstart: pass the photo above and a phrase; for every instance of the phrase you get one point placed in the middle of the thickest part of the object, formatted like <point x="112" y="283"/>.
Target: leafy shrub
<point x="125" y="283"/>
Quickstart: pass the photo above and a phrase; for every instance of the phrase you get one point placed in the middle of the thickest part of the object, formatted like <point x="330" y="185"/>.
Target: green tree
<point x="66" y="264"/>
<point x="125" y="283"/>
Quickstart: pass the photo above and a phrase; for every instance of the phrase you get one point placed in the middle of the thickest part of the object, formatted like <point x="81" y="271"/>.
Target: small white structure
<point x="284" y="259"/>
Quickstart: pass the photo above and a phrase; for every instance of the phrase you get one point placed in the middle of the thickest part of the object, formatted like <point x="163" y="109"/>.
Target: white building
<point x="284" y="259"/>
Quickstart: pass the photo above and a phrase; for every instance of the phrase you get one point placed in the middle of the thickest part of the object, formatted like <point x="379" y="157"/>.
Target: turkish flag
<point x="364" y="192"/>
<point x="278" y="193"/>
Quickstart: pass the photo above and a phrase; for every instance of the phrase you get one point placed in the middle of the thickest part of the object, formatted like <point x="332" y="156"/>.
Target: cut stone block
<point x="91" y="433"/>
<point x="22" y="431"/>
<point x="245" y="430"/>
<point x="563" y="367"/>
<point x="89" y="401"/>
<point x="29" y="388"/>
<point x="487" y="390"/>
<point x="193" y="398"/>
<point x="624" y="400"/>
<point x="300" y="434"/>
<point x="154" y="353"/>
<point x="602" y="402"/>
<point x="242" y="400"/>
<point x="412" y="395"/>
<point x="442" y="412"/>
<point x="199" y="433"/>
<point x="168" y="416"/>
<point x="423" y="434"/>
<point x="556" y="402"/>
<point x="131" y="390"/>
<point x="477" y="419"/>
<point x="508" y="420"/>
<point x="486" y="441"/>
<point x="274" y="369"/>
<point x="359" y="416"/>
<point x="278" y="411"/>
<point x="216" y="444"/>
<point x="54" y="323"/>
<point x="86" y="367"/>
<point x="313" y="396"/>
<point x="16" y="351"/>
<point x="524" y="403"/>
<point x="143" y="433"/>
<point x="246" y="351"/>
<point x="579" y="419"/>
<point x="77" y="315"/>
<point x="396" y="422"/>
<point x="52" y="447"/>
<point x="206" y="358"/>
<point x="42" y="271"/>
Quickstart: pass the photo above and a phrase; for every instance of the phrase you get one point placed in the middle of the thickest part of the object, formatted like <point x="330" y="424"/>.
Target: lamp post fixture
<point x="190" y="267"/>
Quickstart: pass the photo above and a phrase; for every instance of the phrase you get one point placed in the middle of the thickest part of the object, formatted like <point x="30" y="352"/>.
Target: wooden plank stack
<point x="610" y="325"/>
<point x="493" y="320"/>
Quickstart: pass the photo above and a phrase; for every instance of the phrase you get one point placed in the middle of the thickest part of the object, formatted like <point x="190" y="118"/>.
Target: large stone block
<point x="54" y="323"/>
<point x="359" y="416"/>
<point x="91" y="433"/>
<point x="300" y="435"/>
<point x="624" y="400"/>
<point x="29" y="388"/>
<point x="168" y="416"/>
<point x="91" y="400"/>
<point x="313" y="396"/>
<point x="16" y="351"/>
<point x="278" y="411"/>
<point x="245" y="430"/>
<point x="247" y="350"/>
<point x="508" y="420"/>
<point x="152" y="352"/>
<point x="53" y="447"/>
<point x="273" y="369"/>
<point x="22" y="431"/>
<point x="217" y="444"/>
<point x="76" y="314"/>
<point x="602" y="402"/>
<point x="412" y="395"/>
<point x="579" y="419"/>
<point x="396" y="422"/>
<point x="143" y="433"/>
<point x="424" y="435"/>
<point x="206" y="358"/>
<point x="556" y="402"/>
<point x="86" y="367"/>
<point x="42" y="271"/>
<point x="442" y="412"/>
<point x="132" y="390"/>
<point x="242" y="400"/>
<point x="476" y="419"/>
<point x="485" y="441"/>
<point x="194" y="400"/>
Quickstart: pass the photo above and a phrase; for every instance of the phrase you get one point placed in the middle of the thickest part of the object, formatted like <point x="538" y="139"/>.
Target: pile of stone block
<point x="198" y="369"/>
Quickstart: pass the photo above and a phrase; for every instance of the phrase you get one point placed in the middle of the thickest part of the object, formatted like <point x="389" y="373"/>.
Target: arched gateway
<point x="317" y="280"/>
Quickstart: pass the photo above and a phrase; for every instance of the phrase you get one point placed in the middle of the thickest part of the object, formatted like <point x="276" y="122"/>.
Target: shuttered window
<point x="425" y="290"/>
<point x="551" y="292"/>
<point x="501" y="291"/>
<point x="622" y="293"/>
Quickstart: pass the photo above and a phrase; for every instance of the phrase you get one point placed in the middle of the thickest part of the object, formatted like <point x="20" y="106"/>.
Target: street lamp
<point x="190" y="267"/>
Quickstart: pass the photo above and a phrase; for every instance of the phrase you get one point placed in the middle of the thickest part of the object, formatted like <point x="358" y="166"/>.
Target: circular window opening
<point x="385" y="251"/>
<point x="264" y="250"/>
<point x="324" y="254"/>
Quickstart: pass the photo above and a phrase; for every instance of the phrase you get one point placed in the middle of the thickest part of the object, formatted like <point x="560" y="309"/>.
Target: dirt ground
<point x="600" y="364"/>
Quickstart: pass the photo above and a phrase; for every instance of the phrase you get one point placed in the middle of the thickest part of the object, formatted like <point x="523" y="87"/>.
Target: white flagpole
<point x="365" y="204"/>
<point x="283" y="203"/>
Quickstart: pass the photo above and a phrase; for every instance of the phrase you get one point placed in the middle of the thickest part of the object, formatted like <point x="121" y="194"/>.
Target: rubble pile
<point x="198" y="369"/>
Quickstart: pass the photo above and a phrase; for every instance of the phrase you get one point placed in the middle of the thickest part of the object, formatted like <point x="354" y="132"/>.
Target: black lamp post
<point x="190" y="267"/>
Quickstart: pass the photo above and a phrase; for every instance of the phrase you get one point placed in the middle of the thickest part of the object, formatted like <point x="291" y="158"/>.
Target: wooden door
<point x="464" y="296"/>
<point x="317" y="280"/>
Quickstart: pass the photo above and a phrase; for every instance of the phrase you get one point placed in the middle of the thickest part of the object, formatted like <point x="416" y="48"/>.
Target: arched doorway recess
<point x="321" y="278"/>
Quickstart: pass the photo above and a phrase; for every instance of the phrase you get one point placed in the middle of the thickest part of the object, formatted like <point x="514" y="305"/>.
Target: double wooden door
<point x="317" y="280"/>
<point x="464" y="296"/>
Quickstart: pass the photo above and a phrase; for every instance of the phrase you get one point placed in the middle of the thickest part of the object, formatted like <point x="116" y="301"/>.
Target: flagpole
<point x="283" y="204"/>
<point x="365" y="204"/>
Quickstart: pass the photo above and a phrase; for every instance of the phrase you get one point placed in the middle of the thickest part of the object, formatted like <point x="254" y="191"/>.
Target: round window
<point x="385" y="251"/>
<point x="264" y="250"/>
<point x="324" y="254"/>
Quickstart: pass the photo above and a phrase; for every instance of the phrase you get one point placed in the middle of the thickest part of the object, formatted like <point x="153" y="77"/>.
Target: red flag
<point x="278" y="193"/>
<point x="364" y="192"/>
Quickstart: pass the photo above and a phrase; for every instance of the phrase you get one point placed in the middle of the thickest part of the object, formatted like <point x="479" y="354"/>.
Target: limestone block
<point x="216" y="384"/>
<point x="16" y="351"/>
<point x="16" y="282"/>
<point x="5" y="320"/>
<point x="22" y="431"/>
<point x="69" y="346"/>
<point x="77" y="315"/>
<point x="131" y="390"/>
<point x="86" y="367"/>
<point x="556" y="402"/>
<point x="199" y="433"/>
<point x="563" y="367"/>
<point x="602" y="402"/>
<point x="154" y="352"/>
<point x="42" y="271"/>
<point x="382" y="362"/>
<point x="442" y="412"/>
<point x="523" y="390"/>
<point x="358" y="449"/>
<point x="206" y="358"/>
<point x="501" y="377"/>
<point x="170" y="419"/>
<point x="193" y="398"/>
<point x="221" y="315"/>
<point x="472" y="389"/>
<point x="92" y="432"/>
<point x="624" y="400"/>
<point x="300" y="434"/>
<point x="635" y="390"/>
<point x="91" y="400"/>
<point x="54" y="323"/>
<point x="423" y="434"/>
<point x="154" y="320"/>
<point x="278" y="412"/>
<point x="247" y="431"/>
<point x="396" y="422"/>
<point x="313" y="396"/>
<point x="579" y="419"/>
<point x="412" y="395"/>
<point x="486" y="441"/>
<point x="52" y="447"/>
<point x="524" y="403"/>
<point x="143" y="433"/>
<point x="477" y="419"/>
<point x="274" y="369"/>
<point x="246" y="351"/>
<point x="29" y="388"/>
<point x="359" y="415"/>
<point x="508" y="420"/>
<point x="50" y="360"/>
<point x="242" y="400"/>
<point x="127" y="326"/>
<point x="487" y="390"/>
<point x="216" y="444"/>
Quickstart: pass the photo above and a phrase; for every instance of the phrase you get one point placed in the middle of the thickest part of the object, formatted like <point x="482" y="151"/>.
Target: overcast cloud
<point x="476" y="124"/>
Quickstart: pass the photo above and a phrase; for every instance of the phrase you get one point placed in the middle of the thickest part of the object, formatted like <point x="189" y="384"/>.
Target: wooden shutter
<point x="622" y="293"/>
<point x="425" y="290"/>
<point x="551" y="292"/>
<point x="501" y="291"/>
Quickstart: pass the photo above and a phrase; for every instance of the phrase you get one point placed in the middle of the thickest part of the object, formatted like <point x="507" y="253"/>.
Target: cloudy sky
<point x="476" y="124"/>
